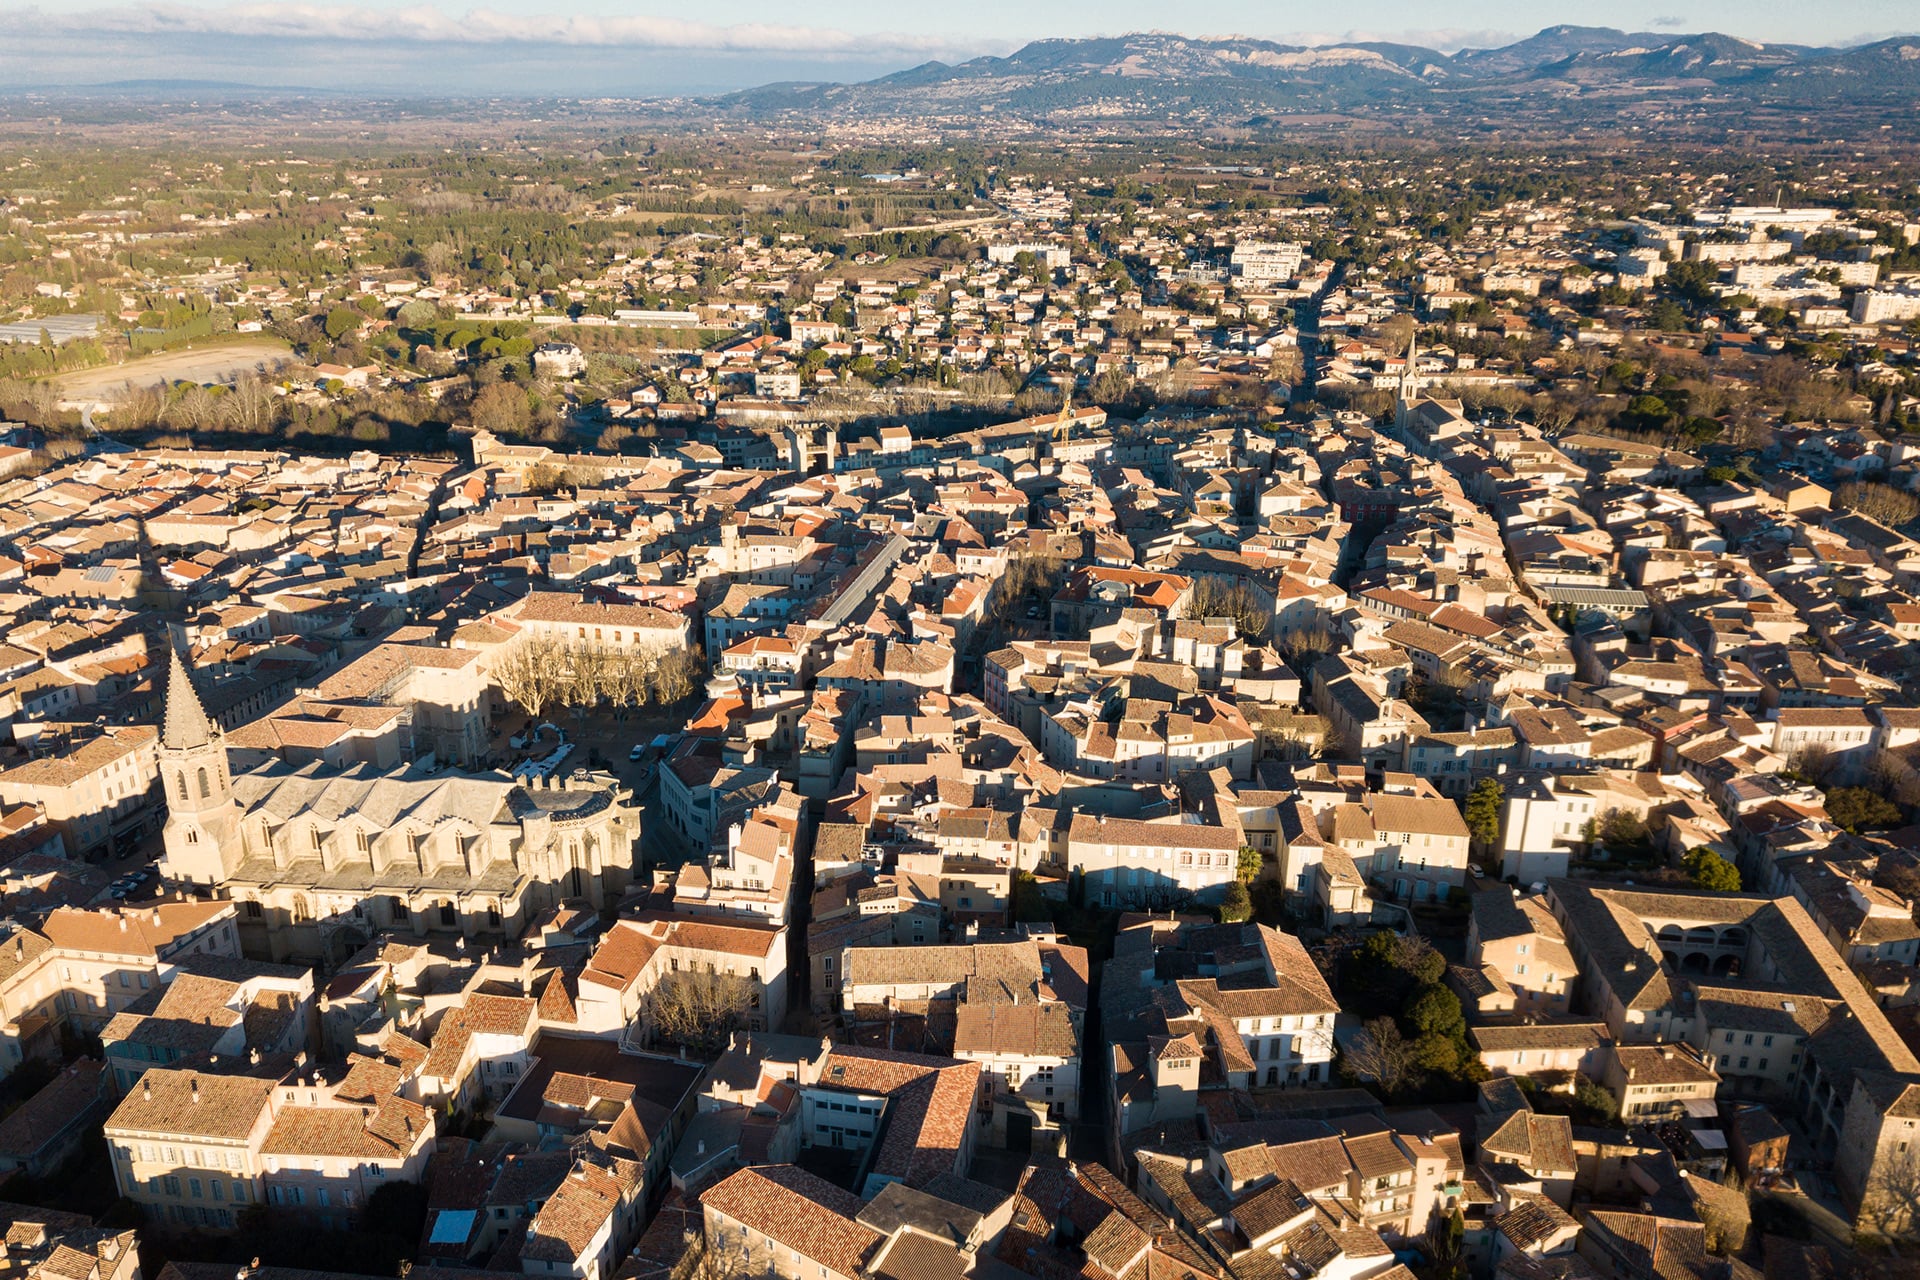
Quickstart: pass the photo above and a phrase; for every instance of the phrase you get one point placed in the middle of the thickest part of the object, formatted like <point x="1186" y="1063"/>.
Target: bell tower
<point x="1409" y="393"/>
<point x="202" y="835"/>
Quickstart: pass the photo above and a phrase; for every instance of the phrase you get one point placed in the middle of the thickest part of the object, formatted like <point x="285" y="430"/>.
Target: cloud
<point x="362" y="24"/>
<point x="1668" y="24"/>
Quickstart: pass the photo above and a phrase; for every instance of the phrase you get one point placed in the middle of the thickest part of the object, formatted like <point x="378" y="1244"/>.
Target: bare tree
<point x="1308" y="645"/>
<point x="585" y="668"/>
<point x="676" y="674"/>
<point x="1378" y="1052"/>
<point x="1880" y="502"/>
<point x="1893" y="776"/>
<point x="249" y="406"/>
<point x="194" y="410"/>
<point x="1396" y="334"/>
<point x="1814" y="762"/>
<point x="1027" y="572"/>
<point x="718" y="1259"/>
<point x="698" y="1009"/>
<point x="1891" y="1203"/>
<point x="531" y="672"/>
<point x="1236" y="602"/>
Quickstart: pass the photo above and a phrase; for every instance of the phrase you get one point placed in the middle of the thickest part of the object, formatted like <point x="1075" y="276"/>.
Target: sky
<point x="641" y="48"/>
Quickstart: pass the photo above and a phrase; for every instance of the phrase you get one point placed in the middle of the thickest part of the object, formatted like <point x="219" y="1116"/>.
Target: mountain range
<point x="1160" y="76"/>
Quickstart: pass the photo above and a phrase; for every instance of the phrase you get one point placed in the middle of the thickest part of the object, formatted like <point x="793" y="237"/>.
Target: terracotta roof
<point x="192" y="1104"/>
<point x="798" y="1210"/>
<point x="137" y="931"/>
<point x="567" y="1224"/>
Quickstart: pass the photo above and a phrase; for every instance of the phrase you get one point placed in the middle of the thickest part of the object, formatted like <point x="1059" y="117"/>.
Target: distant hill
<point x="1161" y="76"/>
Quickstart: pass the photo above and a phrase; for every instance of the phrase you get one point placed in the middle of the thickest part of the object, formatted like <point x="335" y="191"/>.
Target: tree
<point x="721" y="1258"/>
<point x="1856" y="809"/>
<point x="1435" y="1011"/>
<point x="1307" y="646"/>
<point x="1396" y="334"/>
<point x="1711" y="871"/>
<point x="342" y="321"/>
<point x="1378" y="1052"/>
<point x="1597" y="1100"/>
<point x="1622" y="826"/>
<point x="1446" y="1239"/>
<point x="1882" y="502"/>
<point x="532" y="673"/>
<point x="1383" y="973"/>
<point x="1483" y="807"/>
<point x="1029" y="904"/>
<point x="1235" y="602"/>
<point x="502" y="409"/>
<point x="698" y="1009"/>
<point x="1237" y="906"/>
<point x="1813" y="762"/>
<point x="542" y="479"/>
<point x="1248" y="864"/>
<point x="1269" y="899"/>
<point x="677" y="674"/>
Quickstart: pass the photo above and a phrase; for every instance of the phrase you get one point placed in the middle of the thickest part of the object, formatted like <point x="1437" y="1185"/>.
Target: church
<point x="320" y="857"/>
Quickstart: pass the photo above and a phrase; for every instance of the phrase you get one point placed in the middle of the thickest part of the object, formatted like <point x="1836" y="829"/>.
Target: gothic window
<point x="205" y="790"/>
<point x="193" y="836"/>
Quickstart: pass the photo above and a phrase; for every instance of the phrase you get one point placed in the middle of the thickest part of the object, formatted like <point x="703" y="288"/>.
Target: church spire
<point x="1409" y="383"/>
<point x="187" y="725"/>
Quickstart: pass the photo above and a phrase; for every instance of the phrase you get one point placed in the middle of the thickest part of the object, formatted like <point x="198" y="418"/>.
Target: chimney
<point x="123" y="923"/>
<point x="196" y="1090"/>
<point x="146" y="1091"/>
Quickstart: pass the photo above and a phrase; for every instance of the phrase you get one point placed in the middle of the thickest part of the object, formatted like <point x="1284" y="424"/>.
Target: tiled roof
<point x="567" y="1224"/>
<point x="930" y="1105"/>
<point x="131" y="931"/>
<point x="391" y="1129"/>
<point x="799" y="1210"/>
<point x="1537" y="1143"/>
<point x="1017" y="1030"/>
<point x="192" y="1104"/>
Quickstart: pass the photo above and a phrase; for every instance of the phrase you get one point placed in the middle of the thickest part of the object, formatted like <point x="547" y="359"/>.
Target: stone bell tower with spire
<point x="1409" y="393"/>
<point x="202" y="835"/>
